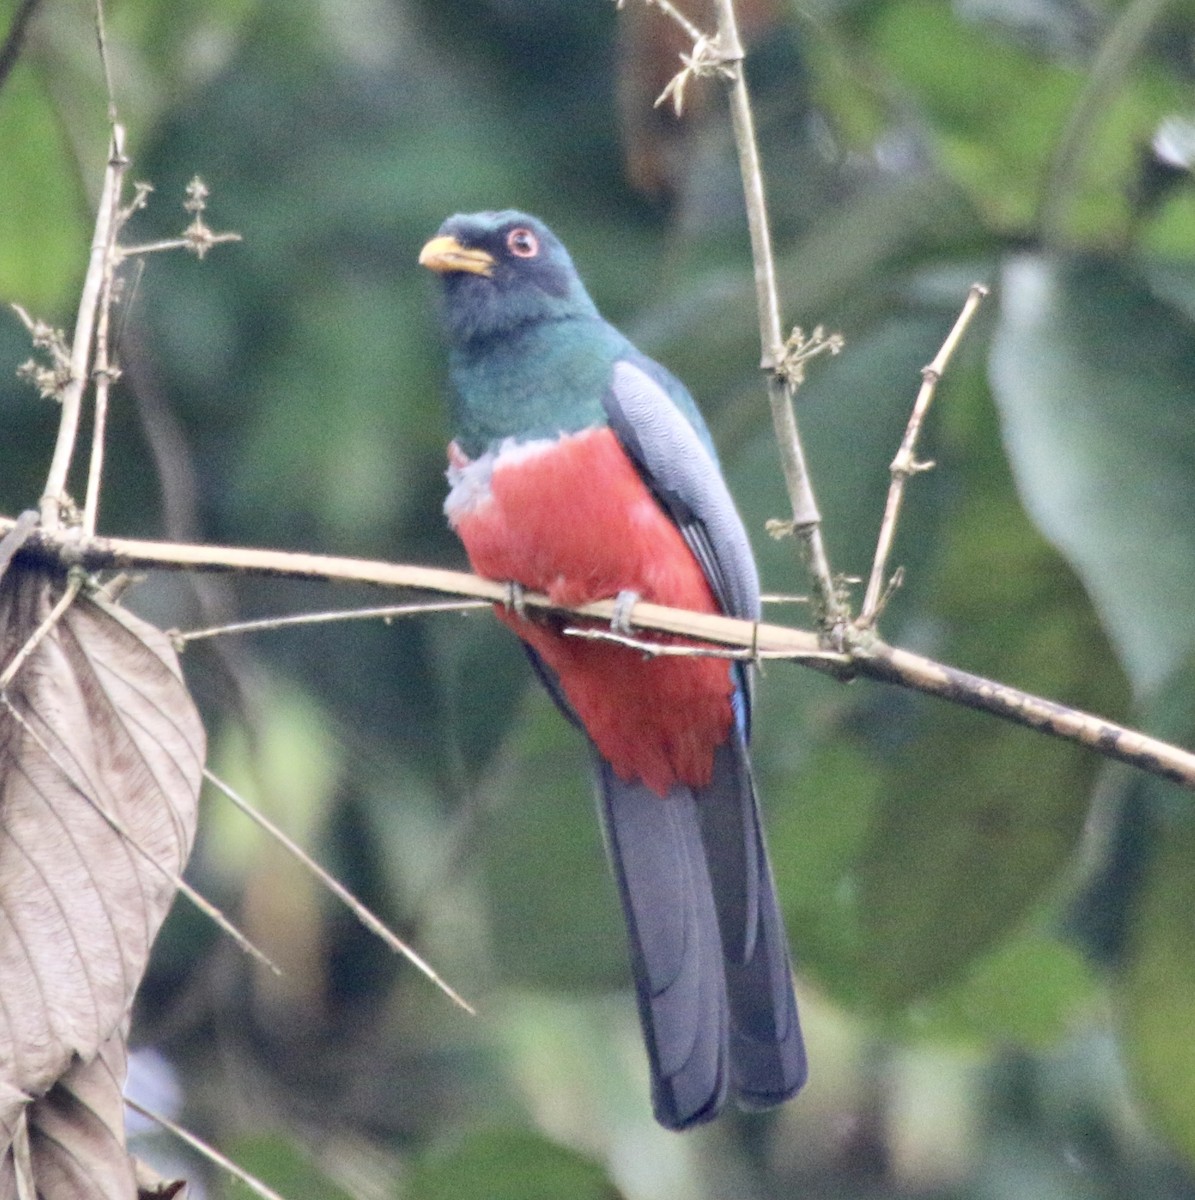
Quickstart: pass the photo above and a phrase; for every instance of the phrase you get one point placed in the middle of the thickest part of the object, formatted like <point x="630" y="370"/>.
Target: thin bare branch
<point x="35" y="639"/>
<point x="205" y="1149"/>
<point x="670" y="10"/>
<point x="867" y="655"/>
<point x="889" y="663"/>
<point x="72" y="394"/>
<point x="386" y="612"/>
<point x="194" y="244"/>
<point x="104" y="372"/>
<point x="100" y="553"/>
<point x="363" y="914"/>
<point x="782" y="380"/>
<point x="101" y="41"/>
<point x="905" y="463"/>
<point x="651" y="649"/>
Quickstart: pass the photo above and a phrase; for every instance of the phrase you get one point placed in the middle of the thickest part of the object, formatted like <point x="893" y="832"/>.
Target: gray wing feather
<point x="681" y="471"/>
<point x="767" y="1051"/>
<point x="656" y="851"/>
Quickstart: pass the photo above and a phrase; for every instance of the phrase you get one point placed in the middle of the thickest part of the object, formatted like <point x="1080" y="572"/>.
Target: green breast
<point x="538" y="381"/>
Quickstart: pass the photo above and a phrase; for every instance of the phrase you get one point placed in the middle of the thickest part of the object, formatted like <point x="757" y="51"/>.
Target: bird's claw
<point x="515" y="602"/>
<point x="624" y="602"/>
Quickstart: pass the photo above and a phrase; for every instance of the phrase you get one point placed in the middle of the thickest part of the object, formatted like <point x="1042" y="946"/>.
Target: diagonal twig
<point x="670" y="10"/>
<point x="206" y="1149"/>
<point x="905" y="463"/>
<point x="14" y="40"/>
<point x="386" y="612"/>
<point x="72" y="394"/>
<point x="363" y="914"/>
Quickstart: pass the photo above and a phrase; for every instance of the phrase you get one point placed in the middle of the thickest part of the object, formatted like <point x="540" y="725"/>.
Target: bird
<point x="581" y="468"/>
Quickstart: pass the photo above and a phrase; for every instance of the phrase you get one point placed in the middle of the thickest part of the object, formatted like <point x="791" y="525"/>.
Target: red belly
<point x="576" y="521"/>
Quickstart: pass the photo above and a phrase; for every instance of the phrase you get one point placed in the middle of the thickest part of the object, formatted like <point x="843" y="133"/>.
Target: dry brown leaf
<point x="101" y="754"/>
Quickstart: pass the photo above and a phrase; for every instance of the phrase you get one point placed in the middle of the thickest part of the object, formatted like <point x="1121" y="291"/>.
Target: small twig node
<point x="799" y="349"/>
<point x="49" y="379"/>
<point x="707" y="59"/>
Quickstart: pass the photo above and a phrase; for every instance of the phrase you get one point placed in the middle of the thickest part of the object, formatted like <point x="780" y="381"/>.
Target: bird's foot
<point x="624" y="602"/>
<point x="515" y="602"/>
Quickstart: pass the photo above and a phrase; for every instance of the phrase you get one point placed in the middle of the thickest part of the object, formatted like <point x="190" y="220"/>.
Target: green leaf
<point x="999" y="101"/>
<point x="44" y="229"/>
<point x="1092" y="372"/>
<point x="923" y="838"/>
<point x="508" y="1164"/>
<point x="1157" y="991"/>
<point x="815" y="840"/>
<point x="1155" y="988"/>
<point x="982" y="814"/>
<point x="993" y="107"/>
<point x="284" y="1165"/>
<point x="1029" y="992"/>
<point x="553" y="907"/>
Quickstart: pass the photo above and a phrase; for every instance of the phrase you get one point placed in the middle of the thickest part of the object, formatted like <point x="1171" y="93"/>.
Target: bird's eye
<point x="522" y="243"/>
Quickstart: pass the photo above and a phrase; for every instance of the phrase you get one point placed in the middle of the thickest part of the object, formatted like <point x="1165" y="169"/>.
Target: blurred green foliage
<point x="993" y="931"/>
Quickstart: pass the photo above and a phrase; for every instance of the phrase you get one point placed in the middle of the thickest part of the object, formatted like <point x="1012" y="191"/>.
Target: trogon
<point x="581" y="468"/>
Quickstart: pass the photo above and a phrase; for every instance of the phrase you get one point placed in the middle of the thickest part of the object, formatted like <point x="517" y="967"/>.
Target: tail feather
<point x="767" y="1051"/>
<point x="708" y="949"/>
<point x="676" y="953"/>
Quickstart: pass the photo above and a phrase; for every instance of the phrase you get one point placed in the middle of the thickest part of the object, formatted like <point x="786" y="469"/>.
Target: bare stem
<point x="870" y="656"/>
<point x="893" y="665"/>
<point x="194" y="244"/>
<point x="806" y="519"/>
<point x="207" y="1150"/>
<point x="905" y="463"/>
<point x="670" y="10"/>
<point x="386" y="612"/>
<point x="103" y="374"/>
<point x="39" y="635"/>
<point x="72" y="394"/>
<point x="363" y="914"/>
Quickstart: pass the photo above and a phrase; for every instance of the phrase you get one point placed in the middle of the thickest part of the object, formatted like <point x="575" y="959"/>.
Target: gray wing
<point x="677" y="466"/>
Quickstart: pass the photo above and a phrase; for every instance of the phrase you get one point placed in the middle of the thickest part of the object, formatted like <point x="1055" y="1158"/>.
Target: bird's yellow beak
<point x="446" y="254"/>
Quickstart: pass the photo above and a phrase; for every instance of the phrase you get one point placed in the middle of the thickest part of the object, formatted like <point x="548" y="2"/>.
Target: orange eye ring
<point x="522" y="243"/>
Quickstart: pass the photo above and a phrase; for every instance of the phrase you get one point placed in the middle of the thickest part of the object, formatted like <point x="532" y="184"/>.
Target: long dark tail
<point x="708" y="951"/>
